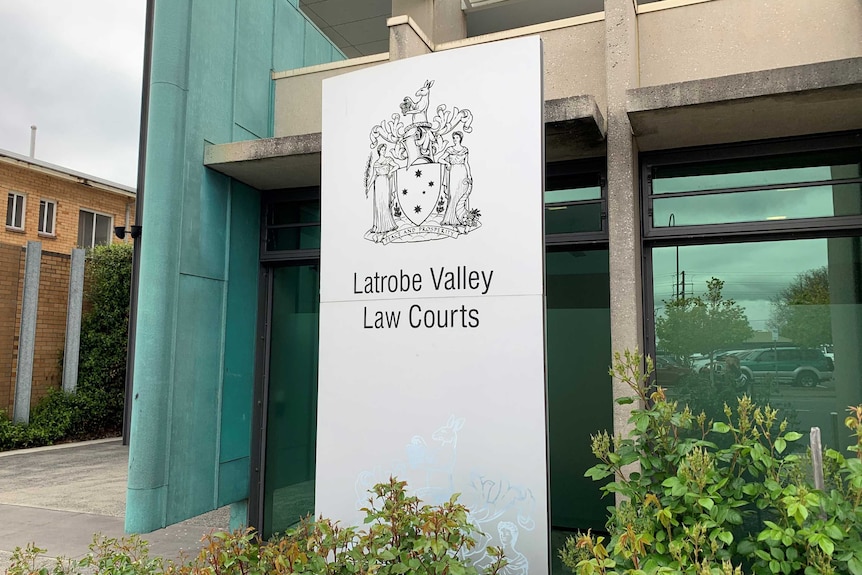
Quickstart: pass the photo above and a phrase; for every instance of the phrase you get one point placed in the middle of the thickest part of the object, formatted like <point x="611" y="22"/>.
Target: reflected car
<point x="668" y="371"/>
<point x="799" y="366"/>
<point x="704" y="366"/>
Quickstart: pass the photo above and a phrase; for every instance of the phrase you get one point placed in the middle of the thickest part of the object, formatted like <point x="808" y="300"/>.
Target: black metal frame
<point x="742" y="232"/>
<point x="575" y="169"/>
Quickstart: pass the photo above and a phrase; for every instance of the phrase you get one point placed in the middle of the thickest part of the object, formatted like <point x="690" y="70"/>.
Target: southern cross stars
<point x="430" y="184"/>
<point x="418" y="173"/>
<point x="417" y="209"/>
<point x="404" y="192"/>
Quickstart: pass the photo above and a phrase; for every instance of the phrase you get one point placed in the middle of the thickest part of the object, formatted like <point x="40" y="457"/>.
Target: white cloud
<point x="74" y="70"/>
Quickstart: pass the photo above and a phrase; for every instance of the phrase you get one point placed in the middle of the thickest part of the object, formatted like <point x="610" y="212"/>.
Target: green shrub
<point x="105" y="327"/>
<point x="403" y="537"/>
<point x="718" y="497"/>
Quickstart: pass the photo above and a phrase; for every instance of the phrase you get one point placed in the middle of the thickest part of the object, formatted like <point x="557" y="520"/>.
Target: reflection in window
<point x="785" y="187"/>
<point x="93" y="229"/>
<point x="573" y="203"/>
<point x="786" y="326"/>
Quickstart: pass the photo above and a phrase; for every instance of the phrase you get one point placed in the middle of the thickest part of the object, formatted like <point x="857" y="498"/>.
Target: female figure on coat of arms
<point x="460" y="182"/>
<point x="382" y="184"/>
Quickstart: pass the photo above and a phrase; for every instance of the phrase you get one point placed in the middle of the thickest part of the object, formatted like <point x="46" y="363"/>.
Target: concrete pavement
<point x="58" y="497"/>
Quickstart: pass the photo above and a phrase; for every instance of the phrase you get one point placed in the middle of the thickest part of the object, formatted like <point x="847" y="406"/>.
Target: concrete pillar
<point x="73" y="321"/>
<point x="623" y="202"/>
<point x="417" y="26"/>
<point x="27" y="335"/>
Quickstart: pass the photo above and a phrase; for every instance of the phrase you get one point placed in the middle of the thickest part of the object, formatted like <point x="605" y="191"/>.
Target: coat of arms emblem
<point x="418" y="174"/>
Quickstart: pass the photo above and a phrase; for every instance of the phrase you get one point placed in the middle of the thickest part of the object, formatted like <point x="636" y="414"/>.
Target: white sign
<point x="432" y="363"/>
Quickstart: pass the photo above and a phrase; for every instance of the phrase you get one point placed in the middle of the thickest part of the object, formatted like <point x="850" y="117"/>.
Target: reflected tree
<point x="702" y="324"/>
<point x="801" y="311"/>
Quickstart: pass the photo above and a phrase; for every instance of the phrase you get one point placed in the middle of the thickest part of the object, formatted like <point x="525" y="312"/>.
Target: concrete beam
<point x="784" y="102"/>
<point x="269" y="164"/>
<point x="73" y="321"/>
<point x="27" y="334"/>
<point x="574" y="128"/>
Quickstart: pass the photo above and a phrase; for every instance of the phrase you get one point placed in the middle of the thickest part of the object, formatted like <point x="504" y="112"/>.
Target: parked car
<point x="668" y="371"/>
<point x="703" y="365"/>
<point x="795" y="365"/>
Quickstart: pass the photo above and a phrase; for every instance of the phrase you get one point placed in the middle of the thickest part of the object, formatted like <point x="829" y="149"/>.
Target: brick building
<point x="64" y="210"/>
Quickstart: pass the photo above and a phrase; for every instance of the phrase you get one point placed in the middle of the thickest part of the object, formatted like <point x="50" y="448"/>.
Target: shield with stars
<point x="418" y="188"/>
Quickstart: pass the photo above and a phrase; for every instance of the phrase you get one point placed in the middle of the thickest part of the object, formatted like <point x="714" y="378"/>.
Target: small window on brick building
<point x="15" y="211"/>
<point x="93" y="229"/>
<point x="47" y="215"/>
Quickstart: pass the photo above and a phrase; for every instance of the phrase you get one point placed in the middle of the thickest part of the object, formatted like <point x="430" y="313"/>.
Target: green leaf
<point x="834" y="532"/>
<point x="746" y="547"/>
<point x="598" y="472"/>
<point x="855" y="566"/>
<point x="625" y="400"/>
<point x="726" y="536"/>
<point x="706" y="502"/>
<point x="792" y="436"/>
<point x="780" y="445"/>
<point x="720" y="427"/>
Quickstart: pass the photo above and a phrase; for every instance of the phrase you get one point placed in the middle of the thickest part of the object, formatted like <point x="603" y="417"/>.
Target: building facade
<point x="63" y="210"/>
<point x="686" y="140"/>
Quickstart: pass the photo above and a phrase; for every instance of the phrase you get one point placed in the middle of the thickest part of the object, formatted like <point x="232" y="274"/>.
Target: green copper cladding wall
<point x="191" y="411"/>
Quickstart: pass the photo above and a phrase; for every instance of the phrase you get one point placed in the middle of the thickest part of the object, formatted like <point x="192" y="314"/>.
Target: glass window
<point x="291" y="407"/>
<point x="790" y="311"/>
<point x="93" y="229"/>
<point x="573" y="202"/>
<point x="580" y="399"/>
<point x="15" y="204"/>
<point x="293" y="225"/>
<point x="47" y="209"/>
<point x="784" y="187"/>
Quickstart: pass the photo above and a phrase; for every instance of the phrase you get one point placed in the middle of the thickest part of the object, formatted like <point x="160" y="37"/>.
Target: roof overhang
<point x="574" y="128"/>
<point x="784" y="102"/>
<point x="62" y="173"/>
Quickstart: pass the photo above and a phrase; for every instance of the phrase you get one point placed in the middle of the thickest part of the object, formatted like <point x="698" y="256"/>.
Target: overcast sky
<point x="73" y="68"/>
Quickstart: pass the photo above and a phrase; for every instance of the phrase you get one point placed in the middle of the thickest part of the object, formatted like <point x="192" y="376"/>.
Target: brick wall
<point x="50" y="321"/>
<point x="11" y="264"/>
<point x="71" y="197"/>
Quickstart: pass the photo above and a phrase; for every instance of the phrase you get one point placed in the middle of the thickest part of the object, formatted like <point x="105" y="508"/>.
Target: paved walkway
<point x="59" y="497"/>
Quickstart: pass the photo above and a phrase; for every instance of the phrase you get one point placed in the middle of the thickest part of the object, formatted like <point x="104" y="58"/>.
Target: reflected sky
<point x="754" y="273"/>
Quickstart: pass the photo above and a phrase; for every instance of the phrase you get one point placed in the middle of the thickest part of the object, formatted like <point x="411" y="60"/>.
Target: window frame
<point x="95" y="213"/>
<point x="744" y="232"/>
<point x="19" y="205"/>
<point x="570" y="168"/>
<point x="53" y="231"/>
<point x="268" y="200"/>
<point x="746" y="150"/>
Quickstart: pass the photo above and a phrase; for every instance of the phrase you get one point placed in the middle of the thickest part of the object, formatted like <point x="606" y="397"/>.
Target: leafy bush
<point x="700" y="506"/>
<point x="105" y="327"/>
<point x="403" y="537"/>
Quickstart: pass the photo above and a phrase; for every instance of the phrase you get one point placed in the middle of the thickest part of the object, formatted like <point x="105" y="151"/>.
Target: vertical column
<point x="435" y="21"/>
<point x="623" y="201"/>
<point x="73" y="322"/>
<point x="27" y="336"/>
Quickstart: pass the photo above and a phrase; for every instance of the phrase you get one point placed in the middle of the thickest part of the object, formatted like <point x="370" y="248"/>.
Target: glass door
<point x="290" y="404"/>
